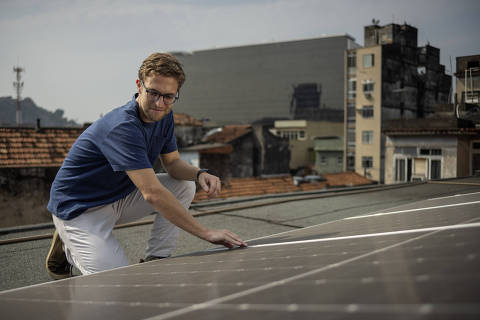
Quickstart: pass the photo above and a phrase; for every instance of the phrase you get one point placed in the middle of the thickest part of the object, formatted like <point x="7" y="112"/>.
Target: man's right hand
<point x="225" y="238"/>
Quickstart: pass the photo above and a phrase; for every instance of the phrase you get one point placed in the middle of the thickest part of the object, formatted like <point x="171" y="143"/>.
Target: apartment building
<point x="389" y="78"/>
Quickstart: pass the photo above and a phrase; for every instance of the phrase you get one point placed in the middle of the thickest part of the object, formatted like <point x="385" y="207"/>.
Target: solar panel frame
<point x="419" y="260"/>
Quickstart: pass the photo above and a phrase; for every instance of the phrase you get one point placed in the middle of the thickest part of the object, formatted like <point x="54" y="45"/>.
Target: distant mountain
<point x="30" y="113"/>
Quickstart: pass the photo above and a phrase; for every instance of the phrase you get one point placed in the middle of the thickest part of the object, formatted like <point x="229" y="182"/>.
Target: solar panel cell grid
<point x="409" y="263"/>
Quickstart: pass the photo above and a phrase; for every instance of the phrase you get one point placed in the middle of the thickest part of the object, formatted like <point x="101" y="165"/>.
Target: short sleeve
<point x="125" y="148"/>
<point x="171" y="143"/>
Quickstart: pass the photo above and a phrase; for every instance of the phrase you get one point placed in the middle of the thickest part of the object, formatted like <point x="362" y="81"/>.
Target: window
<point x="351" y="112"/>
<point x="411" y="151"/>
<point x="351" y="88"/>
<point x="350" y="162"/>
<point x="351" y="137"/>
<point x="323" y="160"/>
<point x="367" y="162"/>
<point x="340" y="160"/>
<point x="351" y="60"/>
<point x="351" y="63"/>
<point x="368" y="60"/>
<point x="367" y="111"/>
<point x="293" y="134"/>
<point x="368" y="87"/>
<point x="367" y="137"/>
<point x="431" y="152"/>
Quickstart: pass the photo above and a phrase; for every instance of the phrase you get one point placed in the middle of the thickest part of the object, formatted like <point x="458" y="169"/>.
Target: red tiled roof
<point x="183" y="119"/>
<point x="239" y="187"/>
<point x="229" y="133"/>
<point x="48" y="147"/>
<point x="28" y="147"/>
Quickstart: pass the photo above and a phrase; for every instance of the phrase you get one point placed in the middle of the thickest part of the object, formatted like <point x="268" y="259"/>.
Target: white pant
<point x="88" y="240"/>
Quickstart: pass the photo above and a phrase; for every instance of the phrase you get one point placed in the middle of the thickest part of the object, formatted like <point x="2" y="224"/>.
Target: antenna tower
<point x="18" y="85"/>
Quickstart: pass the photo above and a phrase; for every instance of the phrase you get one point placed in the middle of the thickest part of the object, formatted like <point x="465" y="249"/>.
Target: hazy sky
<point x="83" y="56"/>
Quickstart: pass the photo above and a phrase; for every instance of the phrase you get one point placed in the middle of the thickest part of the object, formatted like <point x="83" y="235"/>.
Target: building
<point x="301" y="135"/>
<point x="29" y="161"/>
<point x="446" y="144"/>
<point x="301" y="79"/>
<point x="242" y="151"/>
<point x="30" y="158"/>
<point x="390" y="78"/>
<point x="329" y="154"/>
<point x="437" y="147"/>
<point x="467" y="96"/>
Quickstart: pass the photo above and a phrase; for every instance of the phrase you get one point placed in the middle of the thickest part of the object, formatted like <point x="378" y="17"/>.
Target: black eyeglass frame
<point x="156" y="95"/>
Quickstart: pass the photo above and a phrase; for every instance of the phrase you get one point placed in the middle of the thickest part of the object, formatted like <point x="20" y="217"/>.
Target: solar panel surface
<point x="415" y="261"/>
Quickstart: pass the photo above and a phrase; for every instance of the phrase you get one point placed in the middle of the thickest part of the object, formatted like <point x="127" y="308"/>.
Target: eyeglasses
<point x="168" y="98"/>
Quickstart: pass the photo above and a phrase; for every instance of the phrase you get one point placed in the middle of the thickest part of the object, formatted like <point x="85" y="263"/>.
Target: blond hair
<point x="162" y="64"/>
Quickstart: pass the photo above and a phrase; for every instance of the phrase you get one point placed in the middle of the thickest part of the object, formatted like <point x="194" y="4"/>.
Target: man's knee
<point x="182" y="189"/>
<point x="190" y="189"/>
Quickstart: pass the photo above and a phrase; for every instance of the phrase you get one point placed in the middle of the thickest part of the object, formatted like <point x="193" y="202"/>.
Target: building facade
<point x="467" y="96"/>
<point x="301" y="135"/>
<point x="419" y="154"/>
<point x="390" y="78"/>
<point x="329" y="154"/>
<point x="300" y="79"/>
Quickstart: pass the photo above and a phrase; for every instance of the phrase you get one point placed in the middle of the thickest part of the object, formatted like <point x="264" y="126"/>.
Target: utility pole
<point x="18" y="85"/>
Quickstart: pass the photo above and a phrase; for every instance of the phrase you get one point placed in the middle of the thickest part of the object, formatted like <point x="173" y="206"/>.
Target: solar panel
<point x="415" y="261"/>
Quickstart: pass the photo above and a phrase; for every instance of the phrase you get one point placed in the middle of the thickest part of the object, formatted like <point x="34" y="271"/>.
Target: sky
<point x="82" y="56"/>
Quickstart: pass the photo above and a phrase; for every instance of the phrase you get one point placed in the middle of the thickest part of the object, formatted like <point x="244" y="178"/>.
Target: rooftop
<point x="228" y="133"/>
<point x="183" y="119"/>
<point x="47" y="147"/>
<point x="253" y="186"/>
<point x="29" y="147"/>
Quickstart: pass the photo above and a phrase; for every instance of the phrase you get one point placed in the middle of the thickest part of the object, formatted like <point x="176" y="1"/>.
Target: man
<point x="107" y="178"/>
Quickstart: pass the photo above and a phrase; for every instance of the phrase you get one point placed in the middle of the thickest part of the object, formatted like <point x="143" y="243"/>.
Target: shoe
<point x="56" y="263"/>
<point x="151" y="258"/>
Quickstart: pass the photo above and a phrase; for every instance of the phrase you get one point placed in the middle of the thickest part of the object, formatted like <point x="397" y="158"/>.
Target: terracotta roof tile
<point x="252" y="186"/>
<point x="183" y="119"/>
<point x="28" y="147"/>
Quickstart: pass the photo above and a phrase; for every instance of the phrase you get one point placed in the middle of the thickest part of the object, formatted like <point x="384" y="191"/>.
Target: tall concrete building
<point x="389" y="78"/>
<point x="300" y="79"/>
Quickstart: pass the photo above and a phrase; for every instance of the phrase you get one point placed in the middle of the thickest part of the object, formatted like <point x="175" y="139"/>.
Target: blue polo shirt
<point x="93" y="173"/>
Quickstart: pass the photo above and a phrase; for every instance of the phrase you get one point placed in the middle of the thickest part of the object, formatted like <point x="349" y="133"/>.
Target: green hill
<point x="30" y="113"/>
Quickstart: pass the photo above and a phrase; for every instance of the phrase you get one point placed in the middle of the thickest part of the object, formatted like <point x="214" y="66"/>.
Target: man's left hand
<point x="210" y="184"/>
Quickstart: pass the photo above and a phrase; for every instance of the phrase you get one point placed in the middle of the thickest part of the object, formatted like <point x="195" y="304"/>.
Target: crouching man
<point x="107" y="179"/>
